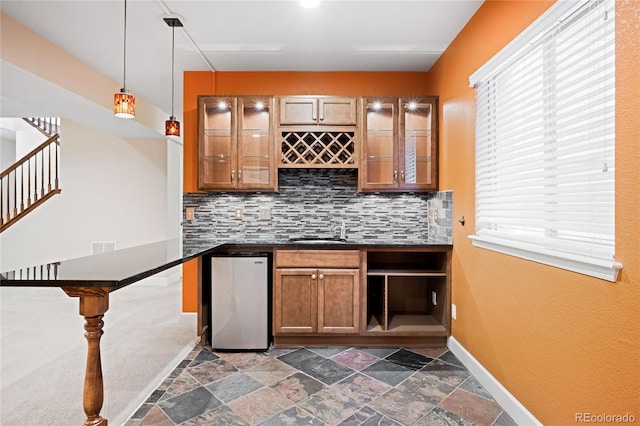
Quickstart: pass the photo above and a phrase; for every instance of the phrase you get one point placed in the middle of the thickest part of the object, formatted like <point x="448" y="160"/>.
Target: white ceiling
<point x="240" y="35"/>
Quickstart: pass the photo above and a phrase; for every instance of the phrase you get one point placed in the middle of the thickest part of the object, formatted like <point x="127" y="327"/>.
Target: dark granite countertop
<point x="122" y="267"/>
<point x="285" y="243"/>
<point x="351" y="245"/>
<point x="111" y="270"/>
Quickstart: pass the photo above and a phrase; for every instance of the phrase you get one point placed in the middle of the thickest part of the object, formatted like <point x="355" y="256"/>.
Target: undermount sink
<point x="318" y="240"/>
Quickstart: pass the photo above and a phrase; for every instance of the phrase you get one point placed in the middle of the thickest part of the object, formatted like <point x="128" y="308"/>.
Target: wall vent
<point x="98" y="247"/>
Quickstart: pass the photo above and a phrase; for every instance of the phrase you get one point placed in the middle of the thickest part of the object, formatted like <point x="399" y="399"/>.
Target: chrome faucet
<point x="343" y="230"/>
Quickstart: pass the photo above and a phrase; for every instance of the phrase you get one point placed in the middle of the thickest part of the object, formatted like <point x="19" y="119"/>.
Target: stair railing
<point x="29" y="182"/>
<point x="48" y="126"/>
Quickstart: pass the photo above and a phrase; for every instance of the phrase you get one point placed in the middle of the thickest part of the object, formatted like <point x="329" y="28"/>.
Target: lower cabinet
<point x="408" y="293"/>
<point x="338" y="301"/>
<point x="373" y="296"/>
<point x="316" y="292"/>
<point x="317" y="300"/>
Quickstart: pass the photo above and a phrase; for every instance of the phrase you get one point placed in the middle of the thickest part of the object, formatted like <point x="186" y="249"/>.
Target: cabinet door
<point x="379" y="165"/>
<point x="217" y="144"/>
<point x="335" y="111"/>
<point x="418" y="148"/>
<point x="256" y="162"/>
<point x="338" y="301"/>
<point x="295" y="301"/>
<point x="298" y="110"/>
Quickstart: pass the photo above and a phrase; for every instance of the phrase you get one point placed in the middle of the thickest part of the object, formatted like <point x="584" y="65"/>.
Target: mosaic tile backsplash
<point x="311" y="203"/>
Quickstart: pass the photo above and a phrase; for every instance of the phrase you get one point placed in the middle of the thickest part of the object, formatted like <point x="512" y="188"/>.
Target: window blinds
<point x="545" y="137"/>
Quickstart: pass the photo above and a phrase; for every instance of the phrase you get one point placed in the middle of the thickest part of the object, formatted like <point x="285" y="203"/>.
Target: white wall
<point x="27" y="139"/>
<point x="7" y="149"/>
<point x="23" y="136"/>
<point x="112" y="190"/>
<point x="17" y="138"/>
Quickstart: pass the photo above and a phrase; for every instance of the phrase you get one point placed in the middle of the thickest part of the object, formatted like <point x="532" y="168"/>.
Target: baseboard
<point x="508" y="402"/>
<point x="153" y="385"/>
<point x="188" y="318"/>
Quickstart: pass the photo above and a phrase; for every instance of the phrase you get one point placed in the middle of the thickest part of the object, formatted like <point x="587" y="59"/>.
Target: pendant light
<point x="172" y="126"/>
<point x="124" y="103"/>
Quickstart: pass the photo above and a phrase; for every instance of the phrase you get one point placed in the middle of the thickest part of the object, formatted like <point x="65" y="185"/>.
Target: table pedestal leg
<point x="93" y="304"/>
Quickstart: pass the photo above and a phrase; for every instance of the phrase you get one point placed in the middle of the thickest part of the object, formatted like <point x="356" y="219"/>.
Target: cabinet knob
<point x="402" y="175"/>
<point x="313" y="276"/>
<point x="233" y="175"/>
<point x="321" y="277"/>
<point x="395" y="176"/>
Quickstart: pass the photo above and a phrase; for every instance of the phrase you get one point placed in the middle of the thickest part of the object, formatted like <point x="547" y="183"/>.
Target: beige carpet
<point x="43" y="352"/>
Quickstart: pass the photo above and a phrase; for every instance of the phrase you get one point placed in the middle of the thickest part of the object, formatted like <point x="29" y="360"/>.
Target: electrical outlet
<point x="434" y="298"/>
<point x="265" y="213"/>
<point x="453" y="311"/>
<point x="191" y="213"/>
<point x="239" y="213"/>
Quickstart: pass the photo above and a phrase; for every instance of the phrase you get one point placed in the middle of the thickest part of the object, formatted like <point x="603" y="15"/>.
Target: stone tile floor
<point x="321" y="386"/>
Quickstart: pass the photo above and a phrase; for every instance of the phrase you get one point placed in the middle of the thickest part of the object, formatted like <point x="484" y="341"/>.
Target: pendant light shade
<point x="124" y="103"/>
<point x="172" y="126"/>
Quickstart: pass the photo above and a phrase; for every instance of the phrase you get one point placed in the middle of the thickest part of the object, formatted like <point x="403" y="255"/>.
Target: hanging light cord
<point x="173" y="48"/>
<point x="124" y="59"/>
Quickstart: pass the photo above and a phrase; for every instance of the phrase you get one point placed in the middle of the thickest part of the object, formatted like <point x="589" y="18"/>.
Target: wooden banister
<point x="23" y="186"/>
<point x="48" y="126"/>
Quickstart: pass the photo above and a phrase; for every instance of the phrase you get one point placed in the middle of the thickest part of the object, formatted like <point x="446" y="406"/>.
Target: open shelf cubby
<point x="408" y="293"/>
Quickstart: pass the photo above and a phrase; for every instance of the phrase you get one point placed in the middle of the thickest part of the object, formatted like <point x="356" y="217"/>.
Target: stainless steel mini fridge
<point x="239" y="302"/>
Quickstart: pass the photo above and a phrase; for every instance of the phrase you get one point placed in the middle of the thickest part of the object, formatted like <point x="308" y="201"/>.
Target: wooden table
<point x="91" y="279"/>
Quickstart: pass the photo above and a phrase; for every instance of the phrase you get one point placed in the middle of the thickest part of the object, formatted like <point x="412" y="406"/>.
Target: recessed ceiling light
<point x="309" y="3"/>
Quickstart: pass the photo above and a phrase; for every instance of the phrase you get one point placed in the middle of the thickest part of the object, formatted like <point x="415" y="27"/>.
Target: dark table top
<point x="112" y="270"/>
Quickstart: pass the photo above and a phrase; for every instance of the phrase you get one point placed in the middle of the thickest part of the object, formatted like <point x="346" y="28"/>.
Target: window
<point x="545" y="139"/>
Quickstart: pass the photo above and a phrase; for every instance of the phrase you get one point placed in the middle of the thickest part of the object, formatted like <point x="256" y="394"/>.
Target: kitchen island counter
<point x="91" y="279"/>
<point x="111" y="270"/>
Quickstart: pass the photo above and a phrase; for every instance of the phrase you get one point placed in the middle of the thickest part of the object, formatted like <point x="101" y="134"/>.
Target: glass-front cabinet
<point x="236" y="148"/>
<point x="379" y="165"/>
<point x="399" y="149"/>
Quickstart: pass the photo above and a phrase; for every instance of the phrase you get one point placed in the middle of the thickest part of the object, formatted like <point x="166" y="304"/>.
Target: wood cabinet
<point x="324" y="111"/>
<point x="399" y="145"/>
<point x="318" y="132"/>
<point x="296" y="300"/>
<point x="316" y="292"/>
<point x="244" y="140"/>
<point x="236" y="143"/>
<point x="408" y="292"/>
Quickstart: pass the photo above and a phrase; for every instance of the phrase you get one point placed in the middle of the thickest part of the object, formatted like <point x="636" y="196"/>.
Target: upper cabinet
<point x="400" y="145"/>
<point x="236" y="146"/>
<point x="318" y="132"/>
<point x="324" y="111"/>
<point x="244" y="140"/>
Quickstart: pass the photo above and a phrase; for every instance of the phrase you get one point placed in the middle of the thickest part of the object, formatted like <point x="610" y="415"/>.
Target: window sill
<point x="603" y="269"/>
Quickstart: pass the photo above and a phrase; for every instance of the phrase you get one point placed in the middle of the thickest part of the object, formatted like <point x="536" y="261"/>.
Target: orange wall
<point x="274" y="83"/>
<point x="560" y="342"/>
<point x="194" y="83"/>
